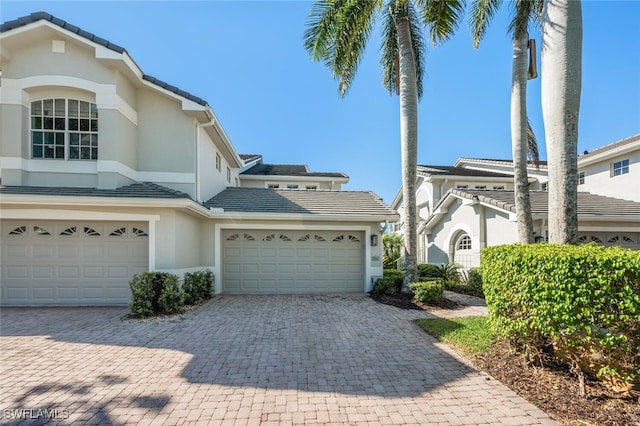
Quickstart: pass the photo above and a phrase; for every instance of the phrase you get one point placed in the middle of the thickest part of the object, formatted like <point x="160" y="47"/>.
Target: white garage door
<point x="289" y="262"/>
<point x="623" y="239"/>
<point x="71" y="263"/>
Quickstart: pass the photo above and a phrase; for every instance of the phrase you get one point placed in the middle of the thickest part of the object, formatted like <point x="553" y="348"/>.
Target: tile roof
<point x="260" y="200"/>
<point x="458" y="171"/>
<point x="588" y="204"/>
<point x="250" y="157"/>
<point x="287" y="170"/>
<point x="136" y="190"/>
<point x="542" y="163"/>
<point x="37" y="16"/>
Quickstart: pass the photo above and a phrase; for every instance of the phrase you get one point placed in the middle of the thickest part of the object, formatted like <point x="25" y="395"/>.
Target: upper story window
<point x="312" y="187"/>
<point x="620" y="167"/>
<point x="464" y="243"/>
<point x="581" y="178"/>
<point x="218" y="162"/>
<point x="481" y="186"/>
<point x="462" y="186"/>
<point x="498" y="187"/>
<point x="273" y="186"/>
<point x="292" y="186"/>
<point x="228" y="174"/>
<point x="64" y="129"/>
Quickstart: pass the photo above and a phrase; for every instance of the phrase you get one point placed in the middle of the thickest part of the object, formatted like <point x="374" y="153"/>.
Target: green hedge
<point x="154" y="293"/>
<point x="427" y="291"/>
<point x="584" y="301"/>
<point x="197" y="286"/>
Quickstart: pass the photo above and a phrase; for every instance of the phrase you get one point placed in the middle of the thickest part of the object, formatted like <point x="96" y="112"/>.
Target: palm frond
<point x="319" y="36"/>
<point x="480" y="16"/>
<point x="441" y="17"/>
<point x="389" y="50"/>
<point x="418" y="45"/>
<point x="532" y="146"/>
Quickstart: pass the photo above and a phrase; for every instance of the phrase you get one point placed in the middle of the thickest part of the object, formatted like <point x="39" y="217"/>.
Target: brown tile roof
<point x="260" y="200"/>
<point x="457" y="171"/>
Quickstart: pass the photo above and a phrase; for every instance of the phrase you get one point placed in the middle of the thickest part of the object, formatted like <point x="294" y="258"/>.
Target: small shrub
<point x="197" y="286"/>
<point x="148" y="293"/>
<point x="450" y="272"/>
<point x="385" y="286"/>
<point x="474" y="280"/>
<point x="427" y="270"/>
<point x="171" y="298"/>
<point x="427" y="291"/>
<point x="397" y="277"/>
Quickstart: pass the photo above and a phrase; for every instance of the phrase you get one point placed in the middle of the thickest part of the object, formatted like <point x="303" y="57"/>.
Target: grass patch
<point x="472" y="335"/>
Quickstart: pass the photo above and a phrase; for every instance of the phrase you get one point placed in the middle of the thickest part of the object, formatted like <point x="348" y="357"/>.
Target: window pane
<point x="48" y="123"/>
<point x="85" y="153"/>
<point x="73" y="124"/>
<point x="73" y="108"/>
<point x="59" y="122"/>
<point x="84" y="125"/>
<point x="94" y="125"/>
<point x="94" y="140"/>
<point x="36" y="122"/>
<point x="85" y="140"/>
<point x="59" y="107"/>
<point x="48" y="151"/>
<point x="94" y="153"/>
<point x="37" y="151"/>
<point x="74" y="152"/>
<point x="84" y="109"/>
<point x="74" y="139"/>
<point x="36" y="108"/>
<point x="48" y="138"/>
<point x="60" y="151"/>
<point x="37" y="137"/>
<point x="60" y="139"/>
<point x="94" y="111"/>
<point x="48" y="107"/>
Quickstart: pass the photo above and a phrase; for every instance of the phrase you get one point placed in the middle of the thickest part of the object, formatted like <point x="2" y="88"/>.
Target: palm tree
<point x="522" y="137"/>
<point x="561" y="85"/>
<point x="337" y="33"/>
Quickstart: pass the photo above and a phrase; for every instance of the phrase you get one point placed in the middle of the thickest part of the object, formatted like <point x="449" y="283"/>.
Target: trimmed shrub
<point x="427" y="291"/>
<point x="397" y="277"/>
<point x="385" y="286"/>
<point x="582" y="301"/>
<point x="427" y="270"/>
<point x="147" y="293"/>
<point x="197" y="286"/>
<point x="171" y="298"/>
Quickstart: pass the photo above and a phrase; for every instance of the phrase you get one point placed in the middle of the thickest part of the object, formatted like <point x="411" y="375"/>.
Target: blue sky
<point x="247" y="60"/>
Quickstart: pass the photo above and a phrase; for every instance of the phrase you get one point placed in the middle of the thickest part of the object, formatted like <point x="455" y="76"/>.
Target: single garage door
<point x="623" y="239"/>
<point x="71" y="263"/>
<point x="289" y="262"/>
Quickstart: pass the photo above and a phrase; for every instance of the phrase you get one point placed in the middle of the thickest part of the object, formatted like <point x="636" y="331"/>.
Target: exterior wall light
<point x="374" y="240"/>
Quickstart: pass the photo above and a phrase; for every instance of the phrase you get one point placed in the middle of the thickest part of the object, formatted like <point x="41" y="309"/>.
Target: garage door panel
<point x="70" y="262"/>
<point x="292" y="262"/>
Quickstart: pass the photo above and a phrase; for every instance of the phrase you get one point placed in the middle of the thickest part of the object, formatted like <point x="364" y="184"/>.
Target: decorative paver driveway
<point x="244" y="360"/>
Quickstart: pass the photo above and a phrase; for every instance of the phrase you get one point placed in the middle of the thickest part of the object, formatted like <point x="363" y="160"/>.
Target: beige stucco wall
<point x="500" y="230"/>
<point x="212" y="180"/>
<point x="598" y="178"/>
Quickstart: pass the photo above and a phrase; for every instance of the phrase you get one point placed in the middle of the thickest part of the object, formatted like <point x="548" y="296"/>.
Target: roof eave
<point x="304" y="216"/>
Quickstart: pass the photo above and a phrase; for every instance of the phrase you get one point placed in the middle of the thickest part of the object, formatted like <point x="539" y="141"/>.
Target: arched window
<point x="463" y="243"/>
<point x="64" y="129"/>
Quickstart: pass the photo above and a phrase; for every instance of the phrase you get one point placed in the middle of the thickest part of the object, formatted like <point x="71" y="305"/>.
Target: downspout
<point x="197" y="150"/>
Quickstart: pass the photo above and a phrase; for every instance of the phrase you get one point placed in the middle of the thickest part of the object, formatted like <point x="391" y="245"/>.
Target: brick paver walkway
<point x="244" y="360"/>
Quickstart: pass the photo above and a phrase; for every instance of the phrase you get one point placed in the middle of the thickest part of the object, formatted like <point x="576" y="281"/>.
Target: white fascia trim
<point x="604" y="228"/>
<point x="303" y="217"/>
<point x="609" y="218"/>
<point x="609" y="154"/>
<point x="12" y="92"/>
<point x="296" y="227"/>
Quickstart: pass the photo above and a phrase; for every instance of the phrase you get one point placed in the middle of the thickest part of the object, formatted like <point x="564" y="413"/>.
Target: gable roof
<point x="297" y="170"/>
<point x="136" y="190"/>
<point x="541" y="163"/>
<point x="247" y="158"/>
<point x="44" y="16"/>
<point x="616" y="148"/>
<point x="458" y="171"/>
<point x="343" y="203"/>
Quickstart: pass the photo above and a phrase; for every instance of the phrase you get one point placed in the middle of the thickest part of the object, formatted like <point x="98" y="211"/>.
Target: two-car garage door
<point x="70" y="263"/>
<point x="292" y="261"/>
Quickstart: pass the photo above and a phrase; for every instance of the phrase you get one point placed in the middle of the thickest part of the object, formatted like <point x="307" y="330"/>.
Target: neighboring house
<point x="473" y="203"/>
<point x="106" y="171"/>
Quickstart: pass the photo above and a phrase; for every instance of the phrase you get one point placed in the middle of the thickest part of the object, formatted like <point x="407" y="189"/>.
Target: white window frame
<point x="581" y="176"/>
<point x="218" y="162"/>
<point x="228" y="175"/>
<point x="464" y="242"/>
<point x="620" y="167"/>
<point x="61" y="131"/>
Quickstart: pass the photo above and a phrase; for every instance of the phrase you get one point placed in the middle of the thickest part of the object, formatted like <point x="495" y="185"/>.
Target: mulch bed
<point x="552" y="388"/>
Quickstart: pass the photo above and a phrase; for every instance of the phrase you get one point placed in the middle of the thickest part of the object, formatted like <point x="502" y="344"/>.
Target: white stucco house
<point x="469" y="206"/>
<point x="106" y="171"/>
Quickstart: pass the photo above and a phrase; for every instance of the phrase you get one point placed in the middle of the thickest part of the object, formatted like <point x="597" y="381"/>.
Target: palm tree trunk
<point x="561" y="73"/>
<point x="519" y="139"/>
<point x="408" y="95"/>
